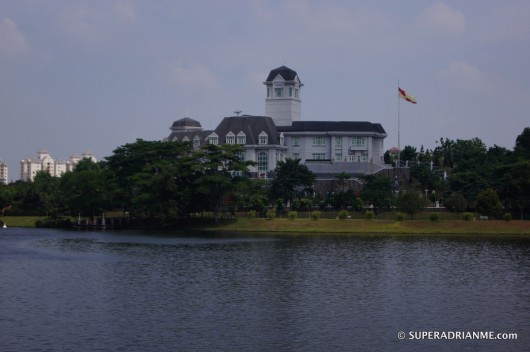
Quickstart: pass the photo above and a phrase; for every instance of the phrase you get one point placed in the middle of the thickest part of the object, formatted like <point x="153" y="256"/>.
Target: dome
<point x="186" y="124"/>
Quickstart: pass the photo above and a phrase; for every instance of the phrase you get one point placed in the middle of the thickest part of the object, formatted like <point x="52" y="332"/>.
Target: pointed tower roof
<point x="284" y="71"/>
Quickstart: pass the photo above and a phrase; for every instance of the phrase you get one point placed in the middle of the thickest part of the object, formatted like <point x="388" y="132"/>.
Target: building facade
<point x="327" y="148"/>
<point x="45" y="162"/>
<point x="3" y="173"/>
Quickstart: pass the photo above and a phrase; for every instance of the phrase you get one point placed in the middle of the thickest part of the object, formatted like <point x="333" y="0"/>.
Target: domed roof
<point x="284" y="71"/>
<point x="185" y="124"/>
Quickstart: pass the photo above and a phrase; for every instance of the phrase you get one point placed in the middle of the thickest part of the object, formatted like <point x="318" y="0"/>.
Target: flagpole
<point x="399" y="142"/>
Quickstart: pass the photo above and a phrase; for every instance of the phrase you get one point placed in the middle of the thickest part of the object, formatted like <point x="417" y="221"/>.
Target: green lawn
<point x="20" y="221"/>
<point x="376" y="226"/>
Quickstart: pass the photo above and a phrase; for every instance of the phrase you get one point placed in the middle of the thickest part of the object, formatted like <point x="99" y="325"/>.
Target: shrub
<point x="434" y="217"/>
<point x="343" y="214"/>
<point x="369" y="215"/>
<point x="507" y="217"/>
<point x="252" y="214"/>
<point x="292" y="215"/>
<point x="456" y="203"/>
<point x="54" y="223"/>
<point x="271" y="214"/>
<point x="467" y="216"/>
<point x="315" y="215"/>
<point x="400" y="216"/>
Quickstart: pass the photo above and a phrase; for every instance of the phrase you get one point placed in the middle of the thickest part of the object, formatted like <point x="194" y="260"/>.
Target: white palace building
<point x="327" y="148"/>
<point x="44" y="162"/>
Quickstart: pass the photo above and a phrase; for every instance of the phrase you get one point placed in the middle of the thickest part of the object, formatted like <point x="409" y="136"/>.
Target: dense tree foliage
<point x="172" y="180"/>
<point x="291" y="180"/>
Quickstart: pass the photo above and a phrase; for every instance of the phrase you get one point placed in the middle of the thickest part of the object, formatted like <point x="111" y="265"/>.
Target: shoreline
<point x="375" y="227"/>
<point x="331" y="226"/>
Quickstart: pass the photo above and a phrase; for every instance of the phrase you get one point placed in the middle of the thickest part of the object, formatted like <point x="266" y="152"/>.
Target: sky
<point x="96" y="74"/>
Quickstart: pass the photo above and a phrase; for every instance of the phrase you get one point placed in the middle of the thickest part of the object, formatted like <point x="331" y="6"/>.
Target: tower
<point x="283" y="102"/>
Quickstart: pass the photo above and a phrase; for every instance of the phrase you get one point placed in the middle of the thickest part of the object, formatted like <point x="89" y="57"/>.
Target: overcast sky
<point x="94" y="75"/>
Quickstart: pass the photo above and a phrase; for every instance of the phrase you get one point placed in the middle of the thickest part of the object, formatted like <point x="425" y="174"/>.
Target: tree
<point x="154" y="179"/>
<point x="514" y="185"/>
<point x="456" y="203"/>
<point x="488" y="203"/>
<point x="46" y="187"/>
<point x="87" y="190"/>
<point x="291" y="180"/>
<point x="342" y="178"/>
<point x="219" y="171"/>
<point x="410" y="202"/>
<point x="377" y="191"/>
<point x="408" y="153"/>
<point x="522" y="144"/>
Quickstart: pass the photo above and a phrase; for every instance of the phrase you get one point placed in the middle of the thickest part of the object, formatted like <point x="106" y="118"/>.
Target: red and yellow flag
<point x="406" y="96"/>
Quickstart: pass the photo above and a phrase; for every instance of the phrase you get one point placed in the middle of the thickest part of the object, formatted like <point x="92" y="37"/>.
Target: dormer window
<point x="185" y="139"/>
<point x="282" y="139"/>
<point x="196" y="142"/>
<point x="230" y="138"/>
<point x="263" y="138"/>
<point x="241" y="138"/>
<point x="213" y="139"/>
<point x="278" y="92"/>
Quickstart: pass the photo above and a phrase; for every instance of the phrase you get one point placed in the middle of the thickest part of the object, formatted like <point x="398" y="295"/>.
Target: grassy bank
<point x="375" y="226"/>
<point x="20" y="221"/>
<point x="356" y="226"/>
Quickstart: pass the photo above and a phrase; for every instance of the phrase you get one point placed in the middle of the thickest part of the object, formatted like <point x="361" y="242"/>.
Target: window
<point x="296" y="93"/>
<point x="263" y="138"/>
<point x="319" y="141"/>
<point x="268" y="92"/>
<point x="213" y="139"/>
<point x="295" y="141"/>
<point x="357" y="141"/>
<point x="319" y="156"/>
<point x="278" y="92"/>
<point x="296" y="155"/>
<point x="241" y="138"/>
<point x="263" y="164"/>
<point x="365" y="155"/>
<point x="338" y="141"/>
<point x="241" y="155"/>
<point x="338" y="156"/>
<point x="230" y="138"/>
<point x="196" y="142"/>
<point x="290" y="91"/>
<point x="282" y="139"/>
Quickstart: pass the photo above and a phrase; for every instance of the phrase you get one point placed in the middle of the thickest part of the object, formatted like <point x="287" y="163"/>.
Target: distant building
<point x="326" y="147"/>
<point x="3" y="173"/>
<point x="44" y="162"/>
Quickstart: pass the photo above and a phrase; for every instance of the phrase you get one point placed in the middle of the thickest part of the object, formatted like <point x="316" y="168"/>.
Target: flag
<point x="406" y="96"/>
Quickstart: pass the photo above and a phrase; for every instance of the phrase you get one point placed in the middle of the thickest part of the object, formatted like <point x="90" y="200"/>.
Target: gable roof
<point x="333" y="126"/>
<point x="284" y="71"/>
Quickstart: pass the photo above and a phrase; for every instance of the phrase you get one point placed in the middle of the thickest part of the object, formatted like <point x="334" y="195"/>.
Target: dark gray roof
<point x="333" y="126"/>
<point x="285" y="72"/>
<point x="190" y="134"/>
<point x="251" y="126"/>
<point x="185" y="123"/>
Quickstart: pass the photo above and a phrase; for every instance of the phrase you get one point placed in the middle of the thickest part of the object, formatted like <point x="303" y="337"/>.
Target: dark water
<point x="127" y="291"/>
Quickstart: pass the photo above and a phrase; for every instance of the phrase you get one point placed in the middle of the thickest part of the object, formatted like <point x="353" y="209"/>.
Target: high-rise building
<point x="44" y="162"/>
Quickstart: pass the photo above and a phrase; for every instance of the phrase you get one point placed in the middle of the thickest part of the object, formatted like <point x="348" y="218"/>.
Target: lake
<point x="139" y="291"/>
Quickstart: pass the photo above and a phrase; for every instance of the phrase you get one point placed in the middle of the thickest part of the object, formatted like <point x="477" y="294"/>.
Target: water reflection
<point x="127" y="291"/>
